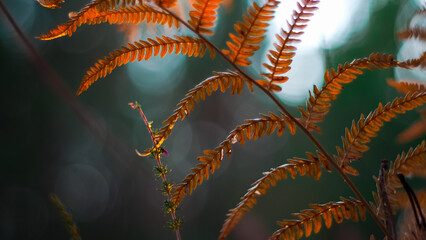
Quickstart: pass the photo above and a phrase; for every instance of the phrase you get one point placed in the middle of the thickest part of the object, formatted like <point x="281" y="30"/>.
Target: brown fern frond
<point x="309" y="167"/>
<point x="51" y="3"/>
<point x="281" y="57"/>
<point x="411" y="162"/>
<point x="405" y="163"/>
<point x="318" y="104"/>
<point x="143" y="50"/>
<point x="66" y="217"/>
<point x="221" y="81"/>
<point x="311" y="219"/>
<point x="253" y="129"/>
<point x="204" y="15"/>
<point x="405" y="87"/>
<point x="250" y="33"/>
<point x="90" y="15"/>
<point x="419" y="33"/>
<point x="355" y="140"/>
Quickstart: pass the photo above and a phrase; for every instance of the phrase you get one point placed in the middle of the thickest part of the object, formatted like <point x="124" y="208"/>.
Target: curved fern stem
<point x="289" y="115"/>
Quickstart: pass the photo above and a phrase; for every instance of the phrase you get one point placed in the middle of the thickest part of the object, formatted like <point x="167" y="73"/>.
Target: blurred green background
<point x="113" y="194"/>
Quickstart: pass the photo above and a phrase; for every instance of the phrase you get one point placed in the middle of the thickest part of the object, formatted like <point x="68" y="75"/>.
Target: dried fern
<point x="405" y="87"/>
<point x="309" y="167"/>
<point x="318" y="104"/>
<point x="143" y="50"/>
<point x="311" y="219"/>
<point x="355" y="140"/>
<point x="51" y="3"/>
<point x="250" y="33"/>
<point x="281" y="58"/>
<point x="419" y="33"/>
<point x="204" y="15"/>
<point x="253" y="129"/>
<point x="221" y="81"/>
<point x="130" y="14"/>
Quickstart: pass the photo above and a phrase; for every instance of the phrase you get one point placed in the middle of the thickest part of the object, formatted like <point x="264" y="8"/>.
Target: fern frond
<point x="355" y="140"/>
<point x="405" y="163"/>
<point x="51" y="3"/>
<point x="250" y="33"/>
<point x="91" y="15"/>
<point x="318" y="104"/>
<point x="253" y="129"/>
<point x="411" y="162"/>
<point x="143" y="50"/>
<point x="309" y="167"/>
<point x="204" y="15"/>
<point x="281" y="57"/>
<point x="311" y="219"/>
<point x="419" y="33"/>
<point x="407" y="86"/>
<point x="221" y="81"/>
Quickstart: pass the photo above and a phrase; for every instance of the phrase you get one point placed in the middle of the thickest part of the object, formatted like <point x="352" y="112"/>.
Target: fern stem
<point x="289" y="115"/>
<point x="160" y="166"/>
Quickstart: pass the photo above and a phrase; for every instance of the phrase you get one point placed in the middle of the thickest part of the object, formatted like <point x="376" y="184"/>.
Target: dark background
<point x="111" y="193"/>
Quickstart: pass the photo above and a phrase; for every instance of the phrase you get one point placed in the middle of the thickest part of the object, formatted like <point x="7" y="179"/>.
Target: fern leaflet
<point x="309" y="167"/>
<point x="311" y="219"/>
<point x="355" y="140"/>
<point x="250" y="33"/>
<point x="318" y="104"/>
<point x="51" y="3"/>
<point x="253" y="129"/>
<point x="90" y="15"/>
<point x="419" y="33"/>
<point x="143" y="50"/>
<point x="221" y="81"/>
<point x="281" y="58"/>
<point x="204" y="16"/>
<point x="407" y="86"/>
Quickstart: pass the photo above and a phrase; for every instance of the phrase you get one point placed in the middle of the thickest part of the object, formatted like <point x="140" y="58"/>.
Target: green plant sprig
<point x="161" y="171"/>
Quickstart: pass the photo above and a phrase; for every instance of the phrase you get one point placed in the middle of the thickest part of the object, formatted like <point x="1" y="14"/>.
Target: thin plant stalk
<point x="161" y="171"/>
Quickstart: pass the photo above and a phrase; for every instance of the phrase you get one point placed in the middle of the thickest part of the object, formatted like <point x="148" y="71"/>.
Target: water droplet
<point x="234" y="139"/>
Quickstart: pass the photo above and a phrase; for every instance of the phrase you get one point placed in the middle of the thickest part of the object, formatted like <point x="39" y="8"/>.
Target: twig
<point x="157" y="151"/>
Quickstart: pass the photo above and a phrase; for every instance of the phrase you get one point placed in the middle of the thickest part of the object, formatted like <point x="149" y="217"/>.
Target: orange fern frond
<point x="143" y="50"/>
<point x="91" y="15"/>
<point x="318" y="104"/>
<point x="309" y="167"/>
<point x="281" y="58"/>
<point x="221" y="81"/>
<point x="204" y="16"/>
<point x="250" y="33"/>
<point x="405" y="87"/>
<point x="253" y="129"/>
<point x="311" y="219"/>
<point x="355" y="140"/>
<point x="410" y="162"/>
<point x="51" y="3"/>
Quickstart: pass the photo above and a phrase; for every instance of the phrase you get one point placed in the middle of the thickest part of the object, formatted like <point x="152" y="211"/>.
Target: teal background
<point x="113" y="194"/>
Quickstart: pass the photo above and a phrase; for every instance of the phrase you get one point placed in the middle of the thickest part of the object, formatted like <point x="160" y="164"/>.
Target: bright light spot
<point x="331" y="26"/>
<point x="411" y="49"/>
<point x="157" y="74"/>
